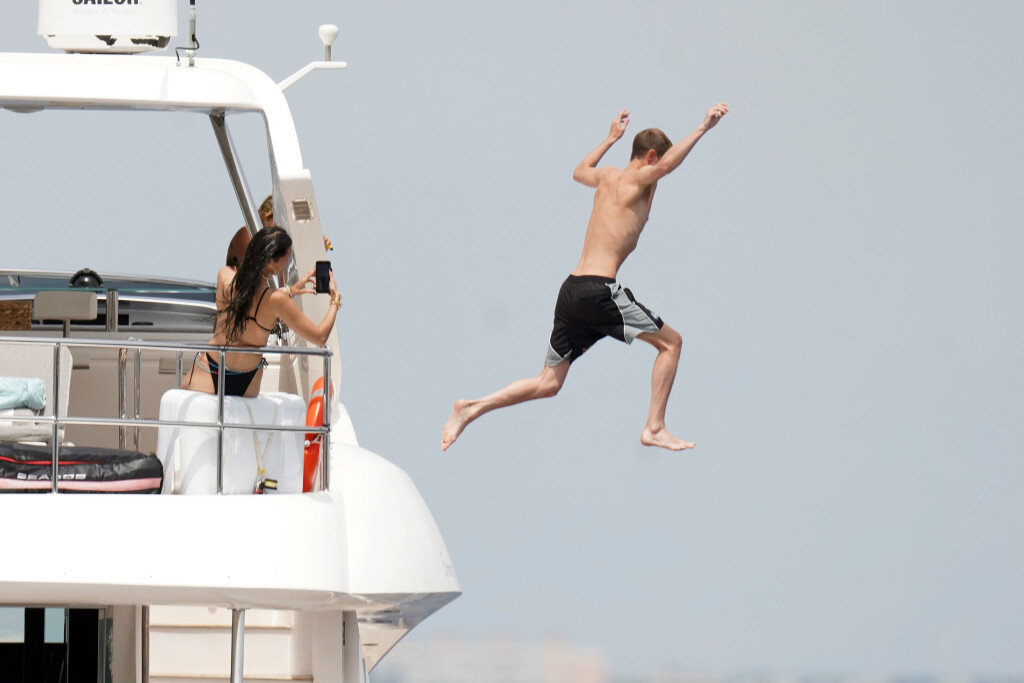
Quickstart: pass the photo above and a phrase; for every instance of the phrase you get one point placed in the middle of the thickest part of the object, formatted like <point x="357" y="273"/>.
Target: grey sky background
<point x="840" y="254"/>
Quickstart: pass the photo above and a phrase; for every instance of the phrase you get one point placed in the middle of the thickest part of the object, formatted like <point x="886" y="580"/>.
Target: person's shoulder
<point x="278" y="297"/>
<point x="609" y="175"/>
<point x="628" y="176"/>
<point x="226" y="274"/>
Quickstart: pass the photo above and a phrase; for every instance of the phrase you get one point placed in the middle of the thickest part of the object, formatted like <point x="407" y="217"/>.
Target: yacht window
<point x="12" y="624"/>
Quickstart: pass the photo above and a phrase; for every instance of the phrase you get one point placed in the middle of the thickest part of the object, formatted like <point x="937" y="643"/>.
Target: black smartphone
<point x="323" y="277"/>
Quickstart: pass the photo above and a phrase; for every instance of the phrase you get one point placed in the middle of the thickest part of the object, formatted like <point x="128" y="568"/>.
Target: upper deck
<point x="217" y="88"/>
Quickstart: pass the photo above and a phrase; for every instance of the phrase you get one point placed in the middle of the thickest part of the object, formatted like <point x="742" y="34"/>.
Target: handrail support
<point x="221" y="373"/>
<point x="54" y="471"/>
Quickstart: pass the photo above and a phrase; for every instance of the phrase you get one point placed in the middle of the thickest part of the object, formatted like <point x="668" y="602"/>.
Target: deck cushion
<point x="189" y="454"/>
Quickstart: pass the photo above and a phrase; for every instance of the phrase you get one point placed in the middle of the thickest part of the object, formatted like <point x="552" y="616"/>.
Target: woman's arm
<point x="315" y="333"/>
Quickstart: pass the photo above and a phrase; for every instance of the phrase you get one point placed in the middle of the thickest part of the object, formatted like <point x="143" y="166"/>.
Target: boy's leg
<point x="546" y="384"/>
<point x="669" y="344"/>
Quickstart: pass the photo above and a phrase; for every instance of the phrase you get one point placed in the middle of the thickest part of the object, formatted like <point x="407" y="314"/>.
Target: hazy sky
<point x="840" y="255"/>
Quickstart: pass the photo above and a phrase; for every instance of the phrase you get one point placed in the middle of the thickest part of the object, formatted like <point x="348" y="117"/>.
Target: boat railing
<point x="124" y="422"/>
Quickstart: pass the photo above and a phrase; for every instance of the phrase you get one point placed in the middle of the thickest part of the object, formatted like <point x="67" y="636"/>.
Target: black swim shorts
<point x="591" y="307"/>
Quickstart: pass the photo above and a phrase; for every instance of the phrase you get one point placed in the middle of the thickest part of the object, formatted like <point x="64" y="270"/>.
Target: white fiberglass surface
<point x="130" y="185"/>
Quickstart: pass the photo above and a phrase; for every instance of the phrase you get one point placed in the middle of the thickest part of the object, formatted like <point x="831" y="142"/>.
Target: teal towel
<point x="22" y="392"/>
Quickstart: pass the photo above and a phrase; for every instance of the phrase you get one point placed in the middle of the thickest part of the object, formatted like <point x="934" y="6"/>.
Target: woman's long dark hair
<point x="266" y="245"/>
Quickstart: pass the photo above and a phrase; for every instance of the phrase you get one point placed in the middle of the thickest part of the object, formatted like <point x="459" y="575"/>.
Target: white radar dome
<point x="113" y="26"/>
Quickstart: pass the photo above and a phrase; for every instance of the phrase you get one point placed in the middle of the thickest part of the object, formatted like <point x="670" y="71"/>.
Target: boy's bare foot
<point x="663" y="439"/>
<point x="460" y="417"/>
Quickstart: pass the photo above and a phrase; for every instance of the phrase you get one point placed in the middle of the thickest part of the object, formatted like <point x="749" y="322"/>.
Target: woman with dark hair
<point x="236" y="250"/>
<point x="249" y="314"/>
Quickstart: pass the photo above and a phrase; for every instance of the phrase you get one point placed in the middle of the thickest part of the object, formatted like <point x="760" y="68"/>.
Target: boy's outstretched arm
<point x="670" y="160"/>
<point x="587" y="172"/>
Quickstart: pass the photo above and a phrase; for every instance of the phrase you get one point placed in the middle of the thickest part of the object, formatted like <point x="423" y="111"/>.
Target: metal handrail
<point x="322" y="351"/>
<point x="139" y="345"/>
<point x="142" y="422"/>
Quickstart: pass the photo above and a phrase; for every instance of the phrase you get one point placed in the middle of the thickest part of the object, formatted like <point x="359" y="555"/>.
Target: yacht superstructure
<point x="345" y="569"/>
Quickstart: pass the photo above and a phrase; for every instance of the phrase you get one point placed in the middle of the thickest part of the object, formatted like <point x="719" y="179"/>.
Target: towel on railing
<point x="22" y="392"/>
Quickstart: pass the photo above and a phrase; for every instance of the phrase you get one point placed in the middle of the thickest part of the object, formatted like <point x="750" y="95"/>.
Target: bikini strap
<point x="254" y="313"/>
<point x="195" y="362"/>
<point x="253" y="316"/>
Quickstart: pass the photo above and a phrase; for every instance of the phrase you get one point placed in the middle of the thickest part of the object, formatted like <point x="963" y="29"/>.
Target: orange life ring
<point x="314" y="418"/>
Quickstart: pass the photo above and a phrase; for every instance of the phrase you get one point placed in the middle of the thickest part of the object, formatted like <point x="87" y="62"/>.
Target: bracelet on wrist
<point x="336" y="300"/>
<point x="287" y="289"/>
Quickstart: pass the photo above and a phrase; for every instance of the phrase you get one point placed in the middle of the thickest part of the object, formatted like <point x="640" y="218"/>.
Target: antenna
<point x="193" y="42"/>
<point x="328" y="34"/>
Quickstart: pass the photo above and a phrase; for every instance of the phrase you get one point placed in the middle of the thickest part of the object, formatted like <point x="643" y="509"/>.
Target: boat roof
<point x="31" y="82"/>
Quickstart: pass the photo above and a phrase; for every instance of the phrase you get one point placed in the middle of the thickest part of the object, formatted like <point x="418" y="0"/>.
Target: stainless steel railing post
<point x="122" y="396"/>
<point x="56" y="417"/>
<point x="112" y="310"/>
<point x="221" y="372"/>
<point x="177" y="368"/>
<point x="138" y="394"/>
<point x="325" y="439"/>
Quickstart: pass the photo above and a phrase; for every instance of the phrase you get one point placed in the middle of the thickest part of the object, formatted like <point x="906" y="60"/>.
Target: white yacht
<point x="202" y="580"/>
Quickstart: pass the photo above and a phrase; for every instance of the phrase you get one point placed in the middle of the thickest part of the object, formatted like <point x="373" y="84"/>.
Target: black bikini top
<point x="253" y="316"/>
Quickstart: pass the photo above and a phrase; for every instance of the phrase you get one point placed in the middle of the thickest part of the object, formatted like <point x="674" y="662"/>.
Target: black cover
<point x="82" y="469"/>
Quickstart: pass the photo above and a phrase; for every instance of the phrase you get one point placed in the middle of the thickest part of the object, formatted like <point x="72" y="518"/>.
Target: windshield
<point x="124" y="193"/>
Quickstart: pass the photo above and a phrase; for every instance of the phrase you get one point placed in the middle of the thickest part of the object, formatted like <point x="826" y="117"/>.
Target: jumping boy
<point x="591" y="303"/>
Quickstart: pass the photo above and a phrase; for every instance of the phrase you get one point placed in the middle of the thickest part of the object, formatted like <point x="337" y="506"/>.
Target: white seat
<point x="189" y="454"/>
<point x="64" y="305"/>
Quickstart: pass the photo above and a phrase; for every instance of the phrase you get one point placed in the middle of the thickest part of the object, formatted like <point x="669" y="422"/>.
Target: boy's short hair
<point x="649" y="139"/>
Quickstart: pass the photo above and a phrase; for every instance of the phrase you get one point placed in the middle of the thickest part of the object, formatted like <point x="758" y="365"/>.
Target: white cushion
<point x="189" y="454"/>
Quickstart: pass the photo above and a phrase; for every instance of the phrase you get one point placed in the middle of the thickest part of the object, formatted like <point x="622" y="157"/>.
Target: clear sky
<point x="840" y="254"/>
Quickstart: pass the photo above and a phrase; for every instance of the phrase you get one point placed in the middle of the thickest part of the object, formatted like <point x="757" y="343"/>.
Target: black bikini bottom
<point x="236" y="382"/>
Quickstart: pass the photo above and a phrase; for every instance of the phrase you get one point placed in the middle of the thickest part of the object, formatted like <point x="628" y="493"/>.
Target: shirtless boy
<point x="591" y="303"/>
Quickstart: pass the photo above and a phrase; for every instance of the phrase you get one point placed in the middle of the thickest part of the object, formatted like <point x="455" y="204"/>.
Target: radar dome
<point x="112" y="26"/>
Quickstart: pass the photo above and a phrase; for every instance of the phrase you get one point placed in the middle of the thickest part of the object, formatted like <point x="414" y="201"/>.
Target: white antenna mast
<point x="328" y="33"/>
<point x="193" y="43"/>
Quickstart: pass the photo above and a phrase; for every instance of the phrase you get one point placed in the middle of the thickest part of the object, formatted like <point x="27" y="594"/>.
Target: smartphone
<point x="323" y="277"/>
